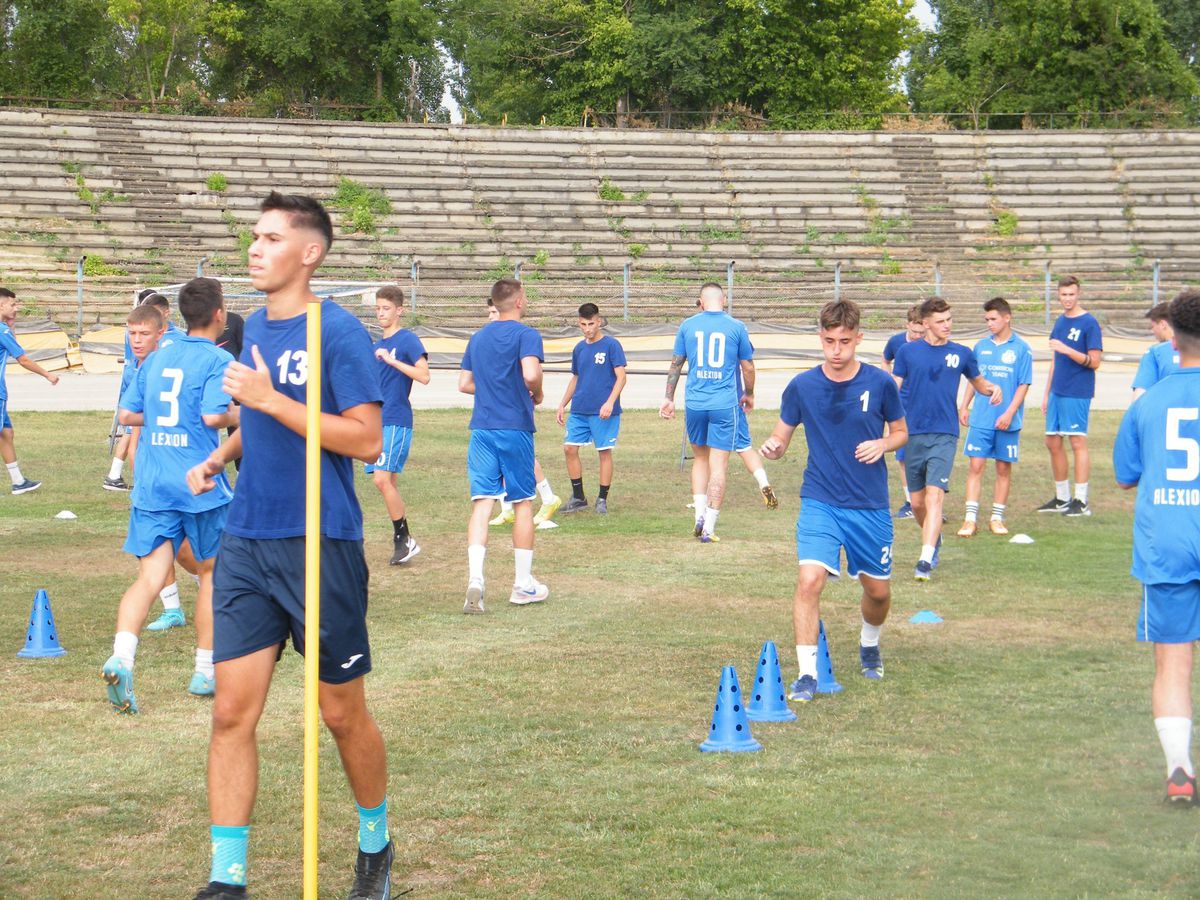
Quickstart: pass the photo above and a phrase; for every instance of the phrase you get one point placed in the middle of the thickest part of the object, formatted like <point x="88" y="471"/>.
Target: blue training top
<point x="1081" y="334"/>
<point x="837" y="417"/>
<point x="8" y="347"/>
<point x="1009" y="365"/>
<point x="396" y="386"/>
<point x="493" y="356"/>
<point x="894" y="343"/>
<point x="594" y="366"/>
<point x="715" y="344"/>
<point x="1157" y="363"/>
<point x="930" y="390"/>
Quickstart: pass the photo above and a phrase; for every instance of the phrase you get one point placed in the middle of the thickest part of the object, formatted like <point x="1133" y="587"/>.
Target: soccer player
<point x="845" y="406"/>
<point x="1158" y="451"/>
<point x="715" y="346"/>
<point x="10" y="348"/>
<point x="403" y="360"/>
<point x="594" y="394"/>
<point x="1160" y="360"/>
<point x="914" y="331"/>
<point x="502" y="368"/>
<point x="258" y="583"/>
<point x="927" y="372"/>
<point x="994" y="432"/>
<point x="1077" y="345"/>
<point x="178" y="400"/>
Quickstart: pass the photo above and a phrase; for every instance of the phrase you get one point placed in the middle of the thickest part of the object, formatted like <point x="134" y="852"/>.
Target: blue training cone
<point x="767" y="702"/>
<point x="41" y="639"/>
<point x="826" y="683"/>
<point x="730" y="730"/>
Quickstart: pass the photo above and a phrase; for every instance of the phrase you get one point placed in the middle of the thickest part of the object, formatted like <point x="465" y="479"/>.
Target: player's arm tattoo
<point x="673" y="374"/>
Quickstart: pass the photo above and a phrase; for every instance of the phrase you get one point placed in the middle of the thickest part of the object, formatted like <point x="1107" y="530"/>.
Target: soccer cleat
<point x="523" y="596"/>
<point x="769" y="497"/>
<point x="699" y="529"/>
<point x="923" y="571"/>
<point x="118" y="679"/>
<point x="202" y="686"/>
<point x="26" y="486"/>
<point x="373" y="875"/>
<point x="405" y="550"/>
<point x="803" y="689"/>
<point x="170" y="618"/>
<point x="602" y="506"/>
<point x="871" y="661"/>
<point x="969" y="529"/>
<point x="1077" y="508"/>
<point x="905" y="511"/>
<point x="707" y="537"/>
<point x="1181" y="789"/>
<point x="997" y="526"/>
<point x="575" y="505"/>
<point x="117" y="484"/>
<point x="1054" y="505"/>
<point x="504" y="517"/>
<point x="217" y="890"/>
<point x="547" y="510"/>
<point x="474" y="603"/>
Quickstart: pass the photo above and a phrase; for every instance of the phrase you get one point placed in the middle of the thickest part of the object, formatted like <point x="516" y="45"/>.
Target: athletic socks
<point x="710" y="520"/>
<point x="524" y="567"/>
<point x="204" y="663"/>
<point x="14" y="472"/>
<point x="1175" y="735"/>
<point x="972" y="510"/>
<point x="806" y="657"/>
<point x="577" y="489"/>
<point x="114" y="470"/>
<point x="699" y="504"/>
<point x="229" y="854"/>
<point x="998" y="510"/>
<point x="603" y="495"/>
<point x="170" y="596"/>
<point x="505" y="505"/>
<point x="1062" y="491"/>
<point x="400" y="529"/>
<point x="372" y="828"/>
<point x="125" y="647"/>
<point x="543" y="489"/>
<point x="927" y="551"/>
<point x="869" y="636"/>
<point x="760" y="475"/>
<point x="1081" y="492"/>
<point x="475" y="555"/>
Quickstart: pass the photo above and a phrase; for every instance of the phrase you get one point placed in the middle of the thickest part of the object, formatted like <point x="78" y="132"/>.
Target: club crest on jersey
<point x="1008" y="357"/>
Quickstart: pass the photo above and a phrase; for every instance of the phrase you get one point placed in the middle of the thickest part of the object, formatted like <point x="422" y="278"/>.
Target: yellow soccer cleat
<point x="997" y="526"/>
<point x="969" y="529"/>
<point x="504" y="517"/>
<point x="549" y="508"/>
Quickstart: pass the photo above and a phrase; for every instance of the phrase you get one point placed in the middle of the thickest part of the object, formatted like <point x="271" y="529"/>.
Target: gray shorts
<point x="928" y="460"/>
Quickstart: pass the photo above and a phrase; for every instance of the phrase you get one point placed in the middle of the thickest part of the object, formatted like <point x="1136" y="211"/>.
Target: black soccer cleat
<point x="217" y="890"/>
<point x="1077" y="508"/>
<point x="1054" y="505"/>
<point x="373" y="875"/>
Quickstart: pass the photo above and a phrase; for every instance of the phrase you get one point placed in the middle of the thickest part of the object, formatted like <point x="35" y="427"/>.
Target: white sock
<point x="699" y="504"/>
<point x="114" y="470"/>
<point x="204" y="663"/>
<point x="907" y="496"/>
<point x="1175" y="735"/>
<point x="710" y="520"/>
<point x="972" y="511"/>
<point x="524" y="567"/>
<point x="475" y="555"/>
<point x="505" y="505"/>
<point x="760" y="475"/>
<point x="169" y="596"/>
<point x="869" y="636"/>
<point x="14" y="472"/>
<point x="1062" y="490"/>
<point x="125" y="647"/>
<point x="544" y="491"/>
<point x="927" y="553"/>
<point x="998" y="510"/>
<point x="806" y="656"/>
<point x="1081" y="492"/>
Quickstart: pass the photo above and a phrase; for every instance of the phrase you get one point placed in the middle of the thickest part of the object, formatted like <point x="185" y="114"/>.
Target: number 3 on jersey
<point x="293" y="367"/>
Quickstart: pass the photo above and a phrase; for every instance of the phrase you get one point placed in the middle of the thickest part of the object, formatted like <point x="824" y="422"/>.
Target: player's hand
<point x="250" y="387"/>
<point x="964" y="416"/>
<point x="200" y="476"/>
<point x="997" y="395"/>
<point x="381" y="353"/>
<point x="1058" y="346"/>
<point x="772" y="448"/>
<point x="667" y="409"/>
<point x="1003" y="422"/>
<point x="747" y="402"/>
<point x="52" y="378"/>
<point x="560" y="415"/>
<point x="870" y="451"/>
<point x="536" y="398"/>
<point x="1045" y="404"/>
<point x="606" y="410"/>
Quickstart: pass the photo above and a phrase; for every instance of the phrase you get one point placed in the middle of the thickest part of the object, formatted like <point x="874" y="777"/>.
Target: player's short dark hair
<point x="158" y="301"/>
<point x="5" y="292"/>
<point x="998" y="304"/>
<point x="504" y="293"/>
<point x="391" y="293"/>
<point x="1068" y="281"/>
<point x="1185" y="319"/>
<point x="839" y="314"/>
<point x="589" y="311"/>
<point x="144" y="293"/>
<point x="303" y="212"/>
<point x="933" y="305"/>
<point x="199" y="301"/>
<point x="914" y="314"/>
<point x="711" y="284"/>
<point x="145" y="314"/>
<point x="1160" y="312"/>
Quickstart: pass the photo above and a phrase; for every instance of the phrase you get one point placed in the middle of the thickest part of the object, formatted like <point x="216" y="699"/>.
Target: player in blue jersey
<point x="594" y="395"/>
<point x="1160" y="360"/>
<point x="715" y="346"/>
<point x="928" y="372"/>
<point x="852" y="415"/>
<point x="402" y="360"/>
<point x="1158" y="451"/>
<point x="914" y="330"/>
<point x="1077" y="344"/>
<point x="994" y="432"/>
<point x="9" y="348"/>
<point x="258" y="583"/>
<point x="178" y="400"/>
<point x="502" y="368"/>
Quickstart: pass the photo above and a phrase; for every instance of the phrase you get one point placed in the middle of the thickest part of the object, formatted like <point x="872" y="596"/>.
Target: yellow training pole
<point x="312" y="596"/>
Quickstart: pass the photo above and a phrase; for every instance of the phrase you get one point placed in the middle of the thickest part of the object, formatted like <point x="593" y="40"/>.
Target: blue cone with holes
<point x="730" y="732"/>
<point x="826" y="683"/>
<point x="41" y="638"/>
<point x="767" y="701"/>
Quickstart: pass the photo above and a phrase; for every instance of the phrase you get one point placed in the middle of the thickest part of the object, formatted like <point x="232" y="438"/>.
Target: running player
<point x="502" y="368"/>
<point x="715" y="346"/>
<point x="914" y="331"/>
<point x="1077" y="344"/>
<point x="594" y="393"/>
<point x="10" y="348"/>
<point x="1160" y="360"/>
<point x="402" y="360"/>
<point x="178" y="400"/>
<point x="852" y="416"/>
<point x="1158" y="451"/>
<point x="995" y="433"/>
<point x="258" y="583"/>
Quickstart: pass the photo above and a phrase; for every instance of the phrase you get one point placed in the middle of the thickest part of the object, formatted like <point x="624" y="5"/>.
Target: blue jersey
<point x="715" y="344"/>
<point x="838" y="416"/>
<point x="8" y="347"/>
<point x="894" y="343"/>
<point x="594" y="366"/>
<point x="493" y="356"/>
<point x="1081" y="334"/>
<point x="1157" y="363"/>
<point x="930" y="391"/>
<point x="1158" y="449"/>
<point x="174" y="388"/>
<point x="1009" y="365"/>
<point x="396" y="386"/>
<point x="268" y="501"/>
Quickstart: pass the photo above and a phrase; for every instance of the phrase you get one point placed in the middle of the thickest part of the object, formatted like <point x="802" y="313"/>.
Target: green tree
<point x="160" y="40"/>
<point x="59" y="48"/>
<point x="1182" y="21"/>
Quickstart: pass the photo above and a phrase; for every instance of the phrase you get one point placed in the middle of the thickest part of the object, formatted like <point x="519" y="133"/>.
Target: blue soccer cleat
<point x="699" y="529"/>
<point x="923" y="571"/>
<point x="170" y="618"/>
<point x="202" y="686"/>
<point x="26" y="486"/>
<point x="118" y="679"/>
<point x="871" y="661"/>
<point x="905" y="511"/>
<point x="803" y="689"/>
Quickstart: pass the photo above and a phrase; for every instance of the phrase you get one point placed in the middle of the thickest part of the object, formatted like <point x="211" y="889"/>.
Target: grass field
<point x="552" y="750"/>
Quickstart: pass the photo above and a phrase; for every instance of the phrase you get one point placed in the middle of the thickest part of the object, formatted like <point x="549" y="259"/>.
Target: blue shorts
<point x="5" y="421"/>
<point x="258" y="602"/>
<point x="1067" y="415"/>
<point x="148" y="529"/>
<point x="742" y="440"/>
<point x="583" y="430"/>
<point x="1170" y="613"/>
<point x="715" y="428"/>
<point x="823" y="530"/>
<point x="500" y="463"/>
<point x="929" y="461"/>
<point x="397" y="439"/>
<point x="900" y="457"/>
<point x="989" y="443"/>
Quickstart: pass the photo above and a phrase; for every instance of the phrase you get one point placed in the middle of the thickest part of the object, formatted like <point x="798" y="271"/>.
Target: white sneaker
<point x="535" y="592"/>
<point x="474" y="602"/>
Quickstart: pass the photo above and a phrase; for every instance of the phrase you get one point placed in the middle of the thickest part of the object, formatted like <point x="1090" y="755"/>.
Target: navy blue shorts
<point x="258" y="601"/>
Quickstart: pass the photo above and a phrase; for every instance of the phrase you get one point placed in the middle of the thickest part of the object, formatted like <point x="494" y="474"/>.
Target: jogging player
<point x="914" y="331"/>
<point x="1160" y="360"/>
<point x="9" y="348"/>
